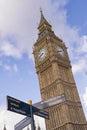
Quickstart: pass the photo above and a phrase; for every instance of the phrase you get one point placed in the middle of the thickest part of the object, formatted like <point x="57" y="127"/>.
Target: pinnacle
<point x="43" y="20"/>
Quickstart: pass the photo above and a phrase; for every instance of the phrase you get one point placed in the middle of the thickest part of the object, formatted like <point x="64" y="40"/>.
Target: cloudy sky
<point x="19" y="20"/>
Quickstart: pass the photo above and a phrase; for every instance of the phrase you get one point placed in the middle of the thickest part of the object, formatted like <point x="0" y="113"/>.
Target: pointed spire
<point x="38" y="128"/>
<point x="28" y="128"/>
<point x="4" y="127"/>
<point x="44" y="28"/>
<point x="43" y="20"/>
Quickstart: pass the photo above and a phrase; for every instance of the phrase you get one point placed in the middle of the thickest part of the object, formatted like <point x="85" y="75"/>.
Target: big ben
<point x="55" y="76"/>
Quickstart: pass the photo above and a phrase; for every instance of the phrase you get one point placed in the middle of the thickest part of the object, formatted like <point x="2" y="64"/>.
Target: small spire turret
<point x="38" y="128"/>
<point x="28" y="128"/>
<point x="4" y="127"/>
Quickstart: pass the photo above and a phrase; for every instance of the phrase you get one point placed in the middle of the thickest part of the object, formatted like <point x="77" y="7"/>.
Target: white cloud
<point x="8" y="49"/>
<point x="16" y="19"/>
<point x="85" y="97"/>
<point x="15" y="68"/>
<point x="7" y="67"/>
<point x="84" y="43"/>
<point x="79" y="67"/>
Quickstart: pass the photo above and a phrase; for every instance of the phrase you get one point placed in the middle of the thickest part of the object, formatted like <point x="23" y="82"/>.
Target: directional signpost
<point x="20" y="107"/>
<point x="41" y="105"/>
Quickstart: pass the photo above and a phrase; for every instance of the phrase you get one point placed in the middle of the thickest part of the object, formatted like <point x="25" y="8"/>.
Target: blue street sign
<point x="40" y="112"/>
<point x="18" y="106"/>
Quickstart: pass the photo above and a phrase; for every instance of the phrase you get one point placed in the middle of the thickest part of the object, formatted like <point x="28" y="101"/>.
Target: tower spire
<point x="4" y="127"/>
<point x="38" y="128"/>
<point x="28" y="128"/>
<point x="41" y="10"/>
<point x="44" y="27"/>
<point x="43" y="20"/>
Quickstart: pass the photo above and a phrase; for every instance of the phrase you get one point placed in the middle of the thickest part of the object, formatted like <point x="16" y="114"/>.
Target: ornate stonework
<point x="55" y="77"/>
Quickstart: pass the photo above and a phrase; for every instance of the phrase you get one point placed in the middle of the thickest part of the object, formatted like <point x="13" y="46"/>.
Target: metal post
<point x="32" y="123"/>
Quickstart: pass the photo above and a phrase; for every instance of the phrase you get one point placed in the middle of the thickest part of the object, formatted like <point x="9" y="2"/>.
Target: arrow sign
<point x="23" y="123"/>
<point x="42" y="114"/>
<point x="18" y="106"/>
<point x="27" y="120"/>
<point x="50" y="102"/>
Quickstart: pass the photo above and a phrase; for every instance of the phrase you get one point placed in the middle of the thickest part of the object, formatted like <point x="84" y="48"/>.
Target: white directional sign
<point x="50" y="102"/>
<point x="23" y="123"/>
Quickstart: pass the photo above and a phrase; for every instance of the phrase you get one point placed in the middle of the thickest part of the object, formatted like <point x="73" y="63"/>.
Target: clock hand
<point x="41" y="55"/>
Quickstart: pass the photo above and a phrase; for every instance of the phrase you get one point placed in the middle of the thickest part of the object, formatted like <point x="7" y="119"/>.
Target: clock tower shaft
<point x="55" y="78"/>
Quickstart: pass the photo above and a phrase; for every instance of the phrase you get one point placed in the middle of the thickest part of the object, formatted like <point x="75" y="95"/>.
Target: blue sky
<point x="19" y="20"/>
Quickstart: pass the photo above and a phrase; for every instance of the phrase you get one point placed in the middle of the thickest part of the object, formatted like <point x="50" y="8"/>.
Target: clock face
<point x="60" y="50"/>
<point x="42" y="54"/>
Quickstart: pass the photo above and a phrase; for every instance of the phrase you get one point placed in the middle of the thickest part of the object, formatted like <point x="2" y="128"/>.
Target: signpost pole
<point x="32" y="117"/>
<point x="32" y="123"/>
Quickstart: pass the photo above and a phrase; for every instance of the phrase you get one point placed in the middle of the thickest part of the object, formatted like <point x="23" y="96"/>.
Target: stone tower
<point x="55" y="76"/>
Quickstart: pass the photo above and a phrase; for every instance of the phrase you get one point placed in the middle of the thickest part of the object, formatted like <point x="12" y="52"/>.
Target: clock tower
<point x="55" y="76"/>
